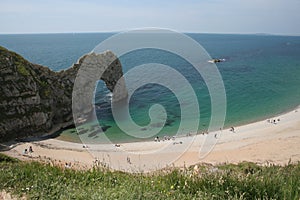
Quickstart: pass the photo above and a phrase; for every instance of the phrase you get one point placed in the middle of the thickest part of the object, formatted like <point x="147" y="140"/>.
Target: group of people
<point x="273" y="121"/>
<point x="30" y="150"/>
<point x="203" y="133"/>
<point x="68" y="165"/>
<point x="157" y="139"/>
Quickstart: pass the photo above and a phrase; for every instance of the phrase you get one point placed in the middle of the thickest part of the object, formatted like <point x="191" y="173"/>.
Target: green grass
<point x="243" y="181"/>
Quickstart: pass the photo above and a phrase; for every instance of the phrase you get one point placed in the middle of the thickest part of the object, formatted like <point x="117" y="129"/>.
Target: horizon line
<point x="115" y="32"/>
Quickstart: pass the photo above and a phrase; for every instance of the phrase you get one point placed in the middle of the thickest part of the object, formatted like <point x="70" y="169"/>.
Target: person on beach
<point x="232" y="129"/>
<point x="30" y="149"/>
<point x="157" y="139"/>
<point x="25" y="151"/>
<point x="128" y="160"/>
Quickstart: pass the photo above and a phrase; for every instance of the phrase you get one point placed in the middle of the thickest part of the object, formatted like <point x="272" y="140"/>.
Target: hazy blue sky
<point x="212" y="16"/>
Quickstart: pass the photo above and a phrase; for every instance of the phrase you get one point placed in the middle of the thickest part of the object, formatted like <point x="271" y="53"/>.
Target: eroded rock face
<point x="35" y="100"/>
<point x="93" y="67"/>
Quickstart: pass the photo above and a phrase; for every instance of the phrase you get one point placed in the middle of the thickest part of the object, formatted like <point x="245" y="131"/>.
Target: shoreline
<point x="259" y="142"/>
<point x="78" y="140"/>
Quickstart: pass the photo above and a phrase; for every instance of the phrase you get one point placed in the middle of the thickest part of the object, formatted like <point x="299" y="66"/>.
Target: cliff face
<point x="35" y="100"/>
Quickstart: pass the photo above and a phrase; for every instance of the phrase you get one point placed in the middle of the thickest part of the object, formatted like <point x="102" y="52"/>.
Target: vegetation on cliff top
<point x="243" y="181"/>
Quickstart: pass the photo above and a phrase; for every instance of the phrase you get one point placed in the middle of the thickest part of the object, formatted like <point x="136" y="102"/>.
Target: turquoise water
<point x="261" y="76"/>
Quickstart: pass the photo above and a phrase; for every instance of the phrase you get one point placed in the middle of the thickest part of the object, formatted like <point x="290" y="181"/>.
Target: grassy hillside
<point x="243" y="181"/>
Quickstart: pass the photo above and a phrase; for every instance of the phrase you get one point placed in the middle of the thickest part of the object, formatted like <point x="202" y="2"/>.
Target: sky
<point x="201" y="16"/>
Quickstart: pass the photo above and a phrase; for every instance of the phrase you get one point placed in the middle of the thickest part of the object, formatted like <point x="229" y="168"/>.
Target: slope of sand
<point x="261" y="142"/>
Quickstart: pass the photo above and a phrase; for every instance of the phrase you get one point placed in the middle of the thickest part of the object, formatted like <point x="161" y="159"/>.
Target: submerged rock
<point x="35" y="101"/>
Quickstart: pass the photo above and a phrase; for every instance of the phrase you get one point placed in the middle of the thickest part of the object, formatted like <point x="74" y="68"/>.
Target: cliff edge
<point x="35" y="101"/>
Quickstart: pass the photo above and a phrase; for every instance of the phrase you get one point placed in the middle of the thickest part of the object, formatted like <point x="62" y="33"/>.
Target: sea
<point x="261" y="76"/>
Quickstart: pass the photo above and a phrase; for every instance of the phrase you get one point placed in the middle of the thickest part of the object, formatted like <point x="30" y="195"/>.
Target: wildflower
<point x="221" y="181"/>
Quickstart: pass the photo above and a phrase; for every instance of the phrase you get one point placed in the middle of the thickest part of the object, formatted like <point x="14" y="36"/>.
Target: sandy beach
<point x="261" y="142"/>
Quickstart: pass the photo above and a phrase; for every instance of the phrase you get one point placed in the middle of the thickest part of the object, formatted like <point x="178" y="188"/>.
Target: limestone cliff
<point x="35" y="100"/>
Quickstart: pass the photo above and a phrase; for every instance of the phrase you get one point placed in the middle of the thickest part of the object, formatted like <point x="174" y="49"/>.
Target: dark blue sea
<point x="261" y="76"/>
